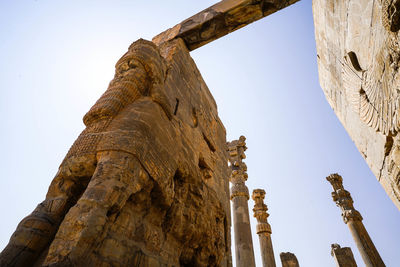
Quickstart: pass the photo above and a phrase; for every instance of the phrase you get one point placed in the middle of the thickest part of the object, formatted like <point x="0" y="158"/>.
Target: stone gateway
<point x="146" y="178"/>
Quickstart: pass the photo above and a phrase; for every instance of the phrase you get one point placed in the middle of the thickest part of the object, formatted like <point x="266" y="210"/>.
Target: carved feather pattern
<point x="372" y="92"/>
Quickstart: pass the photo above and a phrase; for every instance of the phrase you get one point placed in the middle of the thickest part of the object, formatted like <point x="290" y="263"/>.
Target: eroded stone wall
<point x="358" y="62"/>
<point x="146" y="183"/>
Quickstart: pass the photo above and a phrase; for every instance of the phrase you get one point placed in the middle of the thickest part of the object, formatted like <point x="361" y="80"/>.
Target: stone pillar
<point x="239" y="197"/>
<point x="353" y="219"/>
<point x="289" y="259"/>
<point x="343" y="256"/>
<point x="263" y="228"/>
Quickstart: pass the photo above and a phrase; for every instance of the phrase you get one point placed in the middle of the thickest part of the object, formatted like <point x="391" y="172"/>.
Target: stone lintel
<point x="219" y="20"/>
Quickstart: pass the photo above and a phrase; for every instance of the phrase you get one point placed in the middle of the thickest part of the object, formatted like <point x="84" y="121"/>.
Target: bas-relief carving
<point x="372" y="86"/>
<point x="146" y="183"/>
<point x="358" y="57"/>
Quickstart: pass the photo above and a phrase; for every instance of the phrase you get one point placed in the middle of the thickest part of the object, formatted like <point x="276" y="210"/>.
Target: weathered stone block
<point x="146" y="183"/>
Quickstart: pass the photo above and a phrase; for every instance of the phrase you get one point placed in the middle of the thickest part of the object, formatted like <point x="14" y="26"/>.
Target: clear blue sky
<point x="56" y="59"/>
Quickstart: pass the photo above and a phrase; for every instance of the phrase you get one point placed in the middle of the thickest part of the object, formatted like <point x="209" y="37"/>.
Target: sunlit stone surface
<point x="358" y="57"/>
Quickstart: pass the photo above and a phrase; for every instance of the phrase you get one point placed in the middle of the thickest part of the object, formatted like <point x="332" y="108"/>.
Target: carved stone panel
<point x="358" y="57"/>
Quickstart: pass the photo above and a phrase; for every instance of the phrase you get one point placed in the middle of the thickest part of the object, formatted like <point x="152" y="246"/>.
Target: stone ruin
<point x="147" y="182"/>
<point x="145" y="178"/>
<point x="358" y="54"/>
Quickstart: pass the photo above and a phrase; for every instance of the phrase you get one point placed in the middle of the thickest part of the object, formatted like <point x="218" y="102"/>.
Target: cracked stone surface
<point x="358" y="57"/>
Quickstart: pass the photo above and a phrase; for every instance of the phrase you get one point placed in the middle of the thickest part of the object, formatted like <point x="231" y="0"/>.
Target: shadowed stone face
<point x="146" y="183"/>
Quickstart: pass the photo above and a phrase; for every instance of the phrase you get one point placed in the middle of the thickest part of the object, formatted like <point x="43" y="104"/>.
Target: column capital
<point x="260" y="212"/>
<point x="239" y="190"/>
<point x="236" y="149"/>
<point x="343" y="199"/>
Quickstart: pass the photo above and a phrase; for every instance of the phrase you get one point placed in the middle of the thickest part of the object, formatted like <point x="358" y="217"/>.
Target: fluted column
<point x="289" y="259"/>
<point x="353" y="219"/>
<point x="263" y="228"/>
<point x="240" y="196"/>
<point x="343" y="256"/>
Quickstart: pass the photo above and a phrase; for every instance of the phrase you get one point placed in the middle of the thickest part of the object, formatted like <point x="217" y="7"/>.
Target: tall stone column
<point x="289" y="259"/>
<point x="240" y="197"/>
<point x="263" y="228"/>
<point x="353" y="219"/>
<point x="343" y="256"/>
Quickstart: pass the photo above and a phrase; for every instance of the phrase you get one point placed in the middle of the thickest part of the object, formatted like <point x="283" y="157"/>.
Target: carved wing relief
<point x="374" y="92"/>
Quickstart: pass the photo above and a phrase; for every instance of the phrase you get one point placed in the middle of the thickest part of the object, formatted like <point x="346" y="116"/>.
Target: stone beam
<point x="219" y="20"/>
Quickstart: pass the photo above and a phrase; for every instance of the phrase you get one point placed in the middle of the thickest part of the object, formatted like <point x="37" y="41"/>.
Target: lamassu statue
<point x="146" y="183"/>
